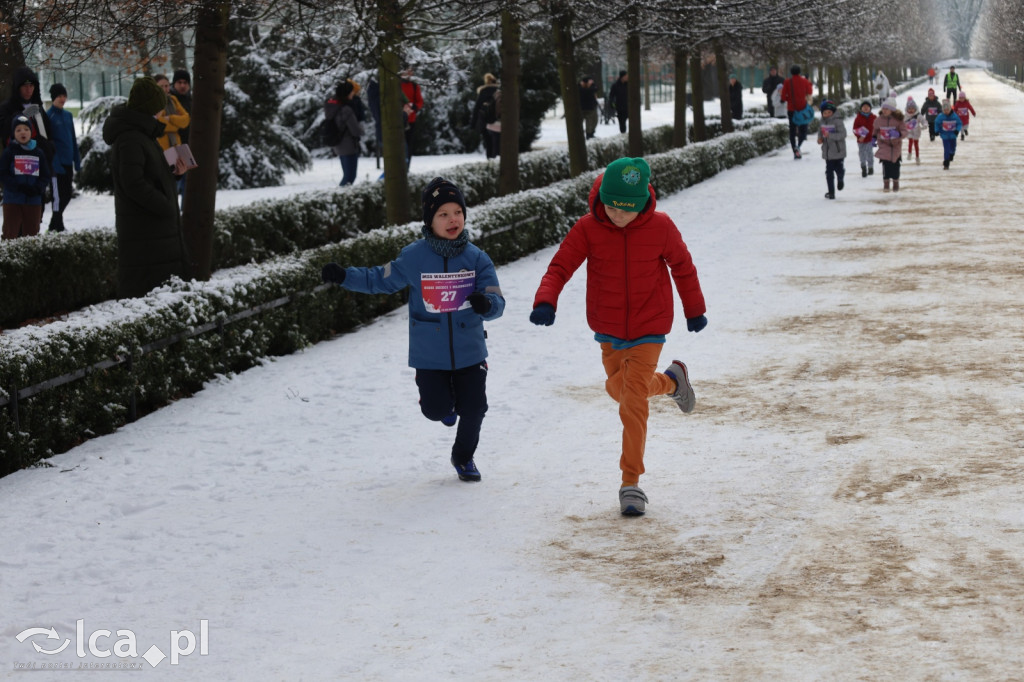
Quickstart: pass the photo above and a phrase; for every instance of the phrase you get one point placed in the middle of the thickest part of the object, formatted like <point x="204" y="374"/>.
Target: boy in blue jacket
<point x="67" y="159"/>
<point x="453" y="290"/>
<point x="24" y="174"/>
<point x="948" y="125"/>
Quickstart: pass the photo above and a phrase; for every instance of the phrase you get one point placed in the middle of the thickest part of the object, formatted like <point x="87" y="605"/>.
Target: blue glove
<point x="543" y="314"/>
<point x="481" y="304"/>
<point x="332" y="272"/>
<point x="695" y="324"/>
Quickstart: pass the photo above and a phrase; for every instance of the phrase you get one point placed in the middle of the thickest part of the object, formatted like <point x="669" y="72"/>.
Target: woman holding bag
<point x="797" y="93"/>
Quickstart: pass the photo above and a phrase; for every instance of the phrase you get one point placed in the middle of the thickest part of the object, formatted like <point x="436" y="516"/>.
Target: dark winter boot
<point x="895" y="185"/>
<point x="885" y="185"/>
<point x="830" y="195"/>
<point x="57" y="222"/>
<point x="945" y="164"/>
<point x="863" y="170"/>
<point x="871" y="170"/>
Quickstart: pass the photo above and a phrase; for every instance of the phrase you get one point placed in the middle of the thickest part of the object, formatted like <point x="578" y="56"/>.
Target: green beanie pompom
<point x="624" y="185"/>
<point x="146" y="96"/>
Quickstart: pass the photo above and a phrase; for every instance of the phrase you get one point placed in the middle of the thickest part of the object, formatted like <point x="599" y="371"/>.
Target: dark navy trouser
<point x="464" y="389"/>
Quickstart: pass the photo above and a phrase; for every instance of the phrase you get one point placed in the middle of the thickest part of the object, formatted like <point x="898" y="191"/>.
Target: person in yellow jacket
<point x="173" y="116"/>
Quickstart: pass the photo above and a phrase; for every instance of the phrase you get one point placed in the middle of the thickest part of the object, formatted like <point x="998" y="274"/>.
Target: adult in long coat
<point x="150" y="243"/>
<point x="768" y="87"/>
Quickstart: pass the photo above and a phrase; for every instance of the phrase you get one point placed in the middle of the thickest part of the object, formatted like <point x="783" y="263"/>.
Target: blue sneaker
<point x="467" y="471"/>
<point x="450" y="419"/>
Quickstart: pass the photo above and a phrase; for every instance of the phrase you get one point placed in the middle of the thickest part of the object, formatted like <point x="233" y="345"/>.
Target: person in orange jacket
<point x="173" y="116"/>
<point x="634" y="255"/>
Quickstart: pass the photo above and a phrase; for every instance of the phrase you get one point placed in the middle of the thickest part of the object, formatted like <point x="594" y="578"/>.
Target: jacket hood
<point x="20" y="76"/>
<point x="124" y="120"/>
<point x="597" y="206"/>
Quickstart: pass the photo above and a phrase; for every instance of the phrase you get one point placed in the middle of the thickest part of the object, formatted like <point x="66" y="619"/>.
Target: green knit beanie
<point x="147" y="96"/>
<point x="625" y="185"/>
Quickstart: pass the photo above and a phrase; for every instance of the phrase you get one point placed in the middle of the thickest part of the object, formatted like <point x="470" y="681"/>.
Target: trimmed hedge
<point x="185" y="333"/>
<point x="53" y="273"/>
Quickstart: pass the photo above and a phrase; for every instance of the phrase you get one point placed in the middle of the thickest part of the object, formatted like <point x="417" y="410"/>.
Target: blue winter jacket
<point x="24" y="174"/>
<point x="948" y="134"/>
<point x="62" y="125"/>
<point x="437" y="340"/>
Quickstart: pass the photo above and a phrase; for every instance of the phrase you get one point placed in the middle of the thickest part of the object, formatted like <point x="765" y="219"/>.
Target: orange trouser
<point x="633" y="377"/>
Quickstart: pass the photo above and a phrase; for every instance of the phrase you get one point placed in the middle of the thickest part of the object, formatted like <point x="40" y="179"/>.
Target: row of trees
<point x="313" y="42"/>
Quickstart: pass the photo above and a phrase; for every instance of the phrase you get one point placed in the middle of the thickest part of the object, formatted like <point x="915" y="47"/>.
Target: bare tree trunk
<point x="635" y="137"/>
<point x="11" y="54"/>
<point x="722" y="70"/>
<point x="508" y="170"/>
<point x="204" y="136"/>
<point x="854" y="82"/>
<point x="700" y="131"/>
<point x="562" y="26"/>
<point x="179" y="51"/>
<point x="396" y="175"/>
<point x="680" y="58"/>
<point x="648" y="71"/>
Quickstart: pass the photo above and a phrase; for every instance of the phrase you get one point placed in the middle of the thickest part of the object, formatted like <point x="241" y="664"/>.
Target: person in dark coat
<point x="182" y="90"/>
<point x="485" y="115"/>
<point x="588" y="105"/>
<point x="26" y="100"/>
<point x="150" y="243"/>
<point x="735" y="97"/>
<point x="346" y="120"/>
<point x="769" y="85"/>
<point x="618" y="97"/>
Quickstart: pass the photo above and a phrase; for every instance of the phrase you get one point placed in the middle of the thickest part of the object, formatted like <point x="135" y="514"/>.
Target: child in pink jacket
<point x="889" y="131"/>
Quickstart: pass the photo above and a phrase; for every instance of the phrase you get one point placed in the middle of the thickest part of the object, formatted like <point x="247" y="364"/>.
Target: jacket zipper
<point x="451" y="326"/>
<point x="625" y="273"/>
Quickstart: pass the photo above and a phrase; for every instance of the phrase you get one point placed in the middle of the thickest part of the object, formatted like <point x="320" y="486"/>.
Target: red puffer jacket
<point x="629" y="293"/>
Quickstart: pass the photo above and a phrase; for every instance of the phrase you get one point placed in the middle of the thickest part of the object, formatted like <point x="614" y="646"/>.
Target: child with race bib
<point x="453" y="289"/>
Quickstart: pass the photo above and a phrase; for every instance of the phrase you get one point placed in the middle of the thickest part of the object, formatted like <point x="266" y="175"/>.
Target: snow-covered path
<point x="844" y="503"/>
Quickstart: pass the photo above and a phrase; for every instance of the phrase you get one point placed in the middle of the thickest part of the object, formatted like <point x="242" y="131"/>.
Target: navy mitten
<point x="695" y="324"/>
<point x="543" y="314"/>
<point x="332" y="272"/>
<point x="481" y="304"/>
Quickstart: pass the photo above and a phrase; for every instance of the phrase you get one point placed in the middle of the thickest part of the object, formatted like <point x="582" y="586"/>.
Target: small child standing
<point x="454" y="290"/>
<point x="948" y="124"/>
<point x="24" y="174"/>
<point x="67" y="159"/>
<point x="832" y="138"/>
<point x="863" y="127"/>
<point x="931" y="107"/>
<point x="915" y="120"/>
<point x="634" y="254"/>
<point x="890" y="130"/>
<point x="964" y="110"/>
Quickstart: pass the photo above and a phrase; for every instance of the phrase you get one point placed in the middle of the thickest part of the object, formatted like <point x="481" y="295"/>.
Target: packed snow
<point x="844" y="503"/>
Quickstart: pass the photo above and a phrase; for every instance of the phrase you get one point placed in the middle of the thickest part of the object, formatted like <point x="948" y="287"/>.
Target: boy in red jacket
<point x="634" y="254"/>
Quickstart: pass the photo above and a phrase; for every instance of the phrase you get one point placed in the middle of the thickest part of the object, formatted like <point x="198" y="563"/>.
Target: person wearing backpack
<point x="485" y="115"/>
<point x="342" y="131"/>
<point x="796" y="93"/>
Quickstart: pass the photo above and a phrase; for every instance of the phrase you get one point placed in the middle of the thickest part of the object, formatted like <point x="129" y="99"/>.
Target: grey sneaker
<point x="683" y="396"/>
<point x="632" y="501"/>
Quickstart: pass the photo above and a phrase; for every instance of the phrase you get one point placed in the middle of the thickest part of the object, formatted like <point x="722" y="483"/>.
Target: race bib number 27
<point x="446" y="292"/>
